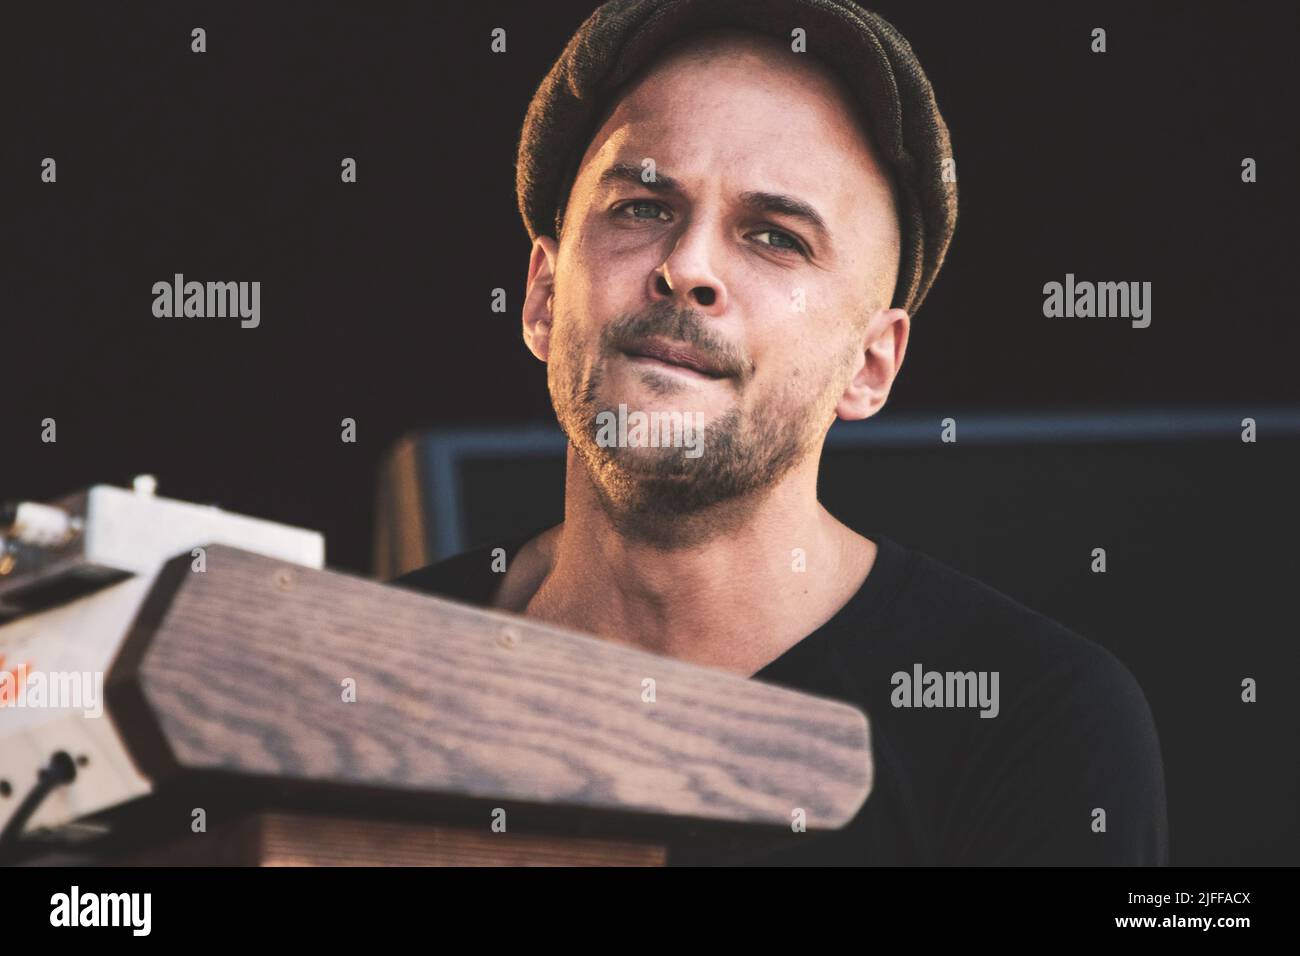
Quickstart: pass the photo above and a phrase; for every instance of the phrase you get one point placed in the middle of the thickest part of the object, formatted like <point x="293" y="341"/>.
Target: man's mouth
<point x="675" y="355"/>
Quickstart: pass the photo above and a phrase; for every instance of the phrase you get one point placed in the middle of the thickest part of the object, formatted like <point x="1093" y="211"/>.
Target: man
<point x="742" y="230"/>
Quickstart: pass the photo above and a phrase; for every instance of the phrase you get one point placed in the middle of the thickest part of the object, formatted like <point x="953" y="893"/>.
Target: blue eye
<point x="789" y="241"/>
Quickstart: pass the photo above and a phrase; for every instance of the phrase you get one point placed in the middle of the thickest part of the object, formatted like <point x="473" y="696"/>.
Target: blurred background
<point x="1072" y="433"/>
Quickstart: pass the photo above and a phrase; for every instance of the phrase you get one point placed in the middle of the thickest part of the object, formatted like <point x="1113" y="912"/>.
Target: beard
<point x="659" y="495"/>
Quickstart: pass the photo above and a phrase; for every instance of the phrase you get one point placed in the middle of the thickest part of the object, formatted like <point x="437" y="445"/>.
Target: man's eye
<point x="643" y="209"/>
<point x="781" y="240"/>
<point x="647" y="210"/>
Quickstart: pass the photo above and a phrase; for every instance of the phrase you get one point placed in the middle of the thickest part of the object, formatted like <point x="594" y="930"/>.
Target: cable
<point x="61" y="770"/>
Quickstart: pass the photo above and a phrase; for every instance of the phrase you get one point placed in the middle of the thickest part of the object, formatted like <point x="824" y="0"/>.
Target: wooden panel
<point x="244" y="664"/>
<point x="286" y="839"/>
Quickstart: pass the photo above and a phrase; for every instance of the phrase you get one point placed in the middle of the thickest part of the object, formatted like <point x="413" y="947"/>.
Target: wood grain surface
<point x="242" y="669"/>
<point x="287" y="839"/>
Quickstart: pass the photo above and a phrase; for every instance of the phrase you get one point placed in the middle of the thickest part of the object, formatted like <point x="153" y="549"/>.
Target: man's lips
<point x="681" y="356"/>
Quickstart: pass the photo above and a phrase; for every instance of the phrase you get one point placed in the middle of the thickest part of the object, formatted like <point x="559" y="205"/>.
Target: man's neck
<point x="735" y="601"/>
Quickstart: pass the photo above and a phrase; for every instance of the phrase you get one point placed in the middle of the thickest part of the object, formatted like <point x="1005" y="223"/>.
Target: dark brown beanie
<point x="623" y="36"/>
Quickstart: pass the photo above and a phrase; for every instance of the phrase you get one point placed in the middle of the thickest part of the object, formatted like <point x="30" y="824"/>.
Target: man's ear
<point x="539" y="296"/>
<point x="876" y="365"/>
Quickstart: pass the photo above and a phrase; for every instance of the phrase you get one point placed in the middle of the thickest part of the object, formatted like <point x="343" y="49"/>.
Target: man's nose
<point x="689" y="274"/>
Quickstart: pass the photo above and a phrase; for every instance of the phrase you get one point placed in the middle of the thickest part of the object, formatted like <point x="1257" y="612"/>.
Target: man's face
<point x="765" y="242"/>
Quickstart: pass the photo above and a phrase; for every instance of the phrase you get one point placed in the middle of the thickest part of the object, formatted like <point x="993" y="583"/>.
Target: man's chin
<point x="667" y="464"/>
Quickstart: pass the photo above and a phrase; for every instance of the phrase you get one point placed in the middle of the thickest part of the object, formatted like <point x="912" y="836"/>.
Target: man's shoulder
<point x="934" y="593"/>
<point x="1073" y="730"/>
<point x="940" y="610"/>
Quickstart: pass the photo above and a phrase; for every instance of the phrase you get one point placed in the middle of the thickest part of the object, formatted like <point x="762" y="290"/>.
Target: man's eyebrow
<point x="784" y="205"/>
<point x="631" y="173"/>
<point x="756" y="201"/>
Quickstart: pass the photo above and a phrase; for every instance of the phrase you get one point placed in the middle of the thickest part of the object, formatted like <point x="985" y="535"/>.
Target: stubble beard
<point x="659" y="496"/>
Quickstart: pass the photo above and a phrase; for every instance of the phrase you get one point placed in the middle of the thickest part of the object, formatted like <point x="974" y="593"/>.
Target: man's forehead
<point x="743" y="158"/>
<point x="719" y="87"/>
<point x="713" y="48"/>
<point x="718" y="70"/>
<point x="753" y="106"/>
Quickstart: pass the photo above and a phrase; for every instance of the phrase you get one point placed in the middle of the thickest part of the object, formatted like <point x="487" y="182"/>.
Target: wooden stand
<point x="284" y="839"/>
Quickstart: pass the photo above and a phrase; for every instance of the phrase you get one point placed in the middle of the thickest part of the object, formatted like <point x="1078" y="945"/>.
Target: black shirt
<point x="1067" y="772"/>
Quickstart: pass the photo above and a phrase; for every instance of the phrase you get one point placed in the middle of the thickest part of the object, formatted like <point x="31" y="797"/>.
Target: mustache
<point x="678" y="325"/>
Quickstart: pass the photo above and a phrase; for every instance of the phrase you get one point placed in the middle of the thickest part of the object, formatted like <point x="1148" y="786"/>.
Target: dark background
<point x="375" y="297"/>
